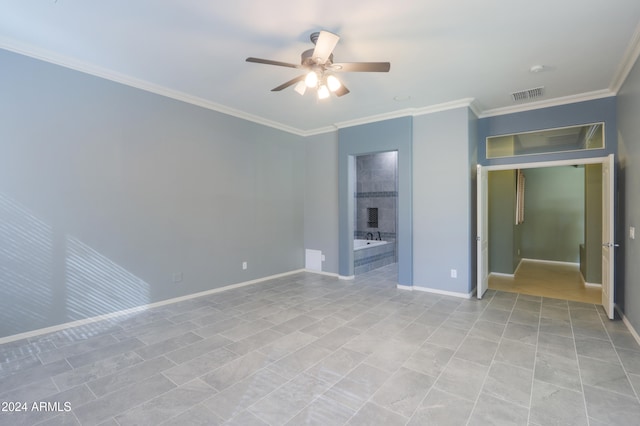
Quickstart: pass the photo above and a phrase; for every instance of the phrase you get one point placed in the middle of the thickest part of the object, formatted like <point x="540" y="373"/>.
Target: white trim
<point x="518" y="267"/>
<point x="407" y="112"/>
<point x="552" y="262"/>
<point x="346" y="277"/>
<point x="460" y="103"/>
<point x="633" y="51"/>
<point x="475" y="108"/>
<point x="501" y="274"/>
<point x="318" y="131"/>
<point x="564" y="100"/>
<point x="127" y="80"/>
<point x="626" y="322"/>
<point x="91" y="320"/>
<point x="589" y="285"/>
<point x="74" y="64"/>
<point x="628" y="61"/>
<point x="541" y="164"/>
<point x="315" y="271"/>
<point x="435" y="291"/>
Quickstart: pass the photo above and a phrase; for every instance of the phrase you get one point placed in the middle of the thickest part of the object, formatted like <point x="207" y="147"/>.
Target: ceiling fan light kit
<point x="323" y="92"/>
<point x="301" y="87"/>
<point x="311" y="80"/>
<point x="333" y="83"/>
<point x="319" y="68"/>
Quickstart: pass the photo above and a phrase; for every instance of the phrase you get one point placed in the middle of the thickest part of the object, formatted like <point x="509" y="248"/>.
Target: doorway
<point x="551" y="245"/>
<point x="375" y="211"/>
<point x="607" y="251"/>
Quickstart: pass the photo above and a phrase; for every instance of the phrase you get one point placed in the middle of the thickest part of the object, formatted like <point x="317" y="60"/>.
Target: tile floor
<point x="547" y="279"/>
<point x="310" y="349"/>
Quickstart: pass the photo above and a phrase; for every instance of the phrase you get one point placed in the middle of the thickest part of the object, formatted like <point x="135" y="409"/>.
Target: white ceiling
<point x="442" y="52"/>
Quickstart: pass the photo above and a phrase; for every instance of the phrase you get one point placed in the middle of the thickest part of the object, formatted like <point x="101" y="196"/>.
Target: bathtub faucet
<point x="379" y="236"/>
<point x="369" y="236"/>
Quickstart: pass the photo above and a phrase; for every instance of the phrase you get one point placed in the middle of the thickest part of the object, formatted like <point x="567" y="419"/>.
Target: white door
<point x="608" y="244"/>
<point x="483" y="231"/>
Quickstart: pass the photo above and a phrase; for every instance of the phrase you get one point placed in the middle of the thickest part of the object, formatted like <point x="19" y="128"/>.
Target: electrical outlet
<point x="632" y="232"/>
<point x="454" y="273"/>
<point x="177" y="277"/>
<point x="322" y="258"/>
<point x="244" y="265"/>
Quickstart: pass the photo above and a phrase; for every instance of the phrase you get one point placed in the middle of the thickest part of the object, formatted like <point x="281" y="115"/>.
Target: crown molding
<point x="318" y="131"/>
<point x="107" y="74"/>
<point x="475" y="108"/>
<point x="628" y="61"/>
<point x="564" y="100"/>
<point x="631" y="55"/>
<point x="407" y="112"/>
<point x="373" y="118"/>
<point x="460" y="103"/>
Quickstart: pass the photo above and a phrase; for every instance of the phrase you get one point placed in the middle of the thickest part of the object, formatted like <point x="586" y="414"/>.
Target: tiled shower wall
<point x="377" y="186"/>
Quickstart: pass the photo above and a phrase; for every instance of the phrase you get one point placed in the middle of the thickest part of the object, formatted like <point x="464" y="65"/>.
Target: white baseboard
<point x="85" y="321"/>
<point x="518" y="267"/>
<point x="557" y="262"/>
<point x="435" y="291"/>
<point x="346" y="277"/>
<point x="329" y="274"/>
<point x="626" y="322"/>
<point x="593" y="285"/>
<point x="501" y="274"/>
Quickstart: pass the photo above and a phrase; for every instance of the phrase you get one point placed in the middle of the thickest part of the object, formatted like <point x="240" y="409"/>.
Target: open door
<point x="482" y="238"/>
<point x="608" y="245"/>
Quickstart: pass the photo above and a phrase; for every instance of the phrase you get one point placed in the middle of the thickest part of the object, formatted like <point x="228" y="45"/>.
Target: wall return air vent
<point x="525" y="95"/>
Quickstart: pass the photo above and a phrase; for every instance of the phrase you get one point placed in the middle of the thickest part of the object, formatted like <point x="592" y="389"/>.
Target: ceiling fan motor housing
<point x="307" y="60"/>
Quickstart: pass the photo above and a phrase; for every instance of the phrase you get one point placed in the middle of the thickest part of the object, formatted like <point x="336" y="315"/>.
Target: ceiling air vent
<point x="524" y="95"/>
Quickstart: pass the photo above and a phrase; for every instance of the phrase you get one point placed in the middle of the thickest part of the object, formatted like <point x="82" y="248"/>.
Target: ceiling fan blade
<point x="288" y="83"/>
<point x="361" y="66"/>
<point x="341" y="91"/>
<point x="270" y="62"/>
<point x="324" y="46"/>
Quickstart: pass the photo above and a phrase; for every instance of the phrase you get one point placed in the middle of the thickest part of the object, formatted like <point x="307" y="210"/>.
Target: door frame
<point x="482" y="226"/>
<point x="483" y="214"/>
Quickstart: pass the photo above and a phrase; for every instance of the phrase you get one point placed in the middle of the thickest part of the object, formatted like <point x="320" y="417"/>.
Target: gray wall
<point x="107" y="191"/>
<point x="443" y="206"/>
<point x="503" y="248"/>
<point x="553" y="227"/>
<point x="628" y="267"/>
<point x="321" y="198"/>
<point x="591" y="261"/>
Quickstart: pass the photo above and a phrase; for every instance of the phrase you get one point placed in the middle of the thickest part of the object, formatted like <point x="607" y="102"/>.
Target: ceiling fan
<point x="319" y="67"/>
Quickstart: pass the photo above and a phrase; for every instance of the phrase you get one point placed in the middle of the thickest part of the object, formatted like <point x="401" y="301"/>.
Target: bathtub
<point x="372" y="254"/>
<point x="362" y="244"/>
